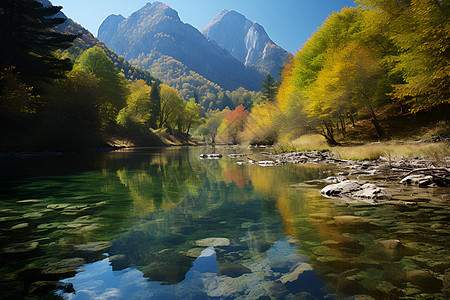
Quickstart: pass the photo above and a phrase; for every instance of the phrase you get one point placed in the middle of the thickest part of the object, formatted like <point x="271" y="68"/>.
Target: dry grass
<point x="306" y="142"/>
<point x="392" y="151"/>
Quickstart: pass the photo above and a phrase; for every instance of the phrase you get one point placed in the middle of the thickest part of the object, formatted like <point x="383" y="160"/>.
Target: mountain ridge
<point x="157" y="27"/>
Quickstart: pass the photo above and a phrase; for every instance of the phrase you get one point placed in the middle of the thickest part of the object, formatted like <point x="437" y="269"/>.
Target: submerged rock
<point x="20" y="226"/>
<point x="21" y="248"/>
<point x="352" y="221"/>
<point x="29" y="201"/>
<point x="424" y="280"/>
<point x="295" y="273"/>
<point x="93" y="247"/>
<point x="64" y="266"/>
<point x="194" y="252"/>
<point x="234" y="270"/>
<point x="58" y="206"/>
<point x="213" y="242"/>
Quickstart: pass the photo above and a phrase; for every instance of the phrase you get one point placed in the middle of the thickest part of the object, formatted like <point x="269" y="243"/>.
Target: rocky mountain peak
<point x="247" y="41"/>
<point x="157" y="28"/>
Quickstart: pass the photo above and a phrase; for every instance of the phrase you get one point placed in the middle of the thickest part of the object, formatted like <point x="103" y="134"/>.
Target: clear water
<point x="124" y="225"/>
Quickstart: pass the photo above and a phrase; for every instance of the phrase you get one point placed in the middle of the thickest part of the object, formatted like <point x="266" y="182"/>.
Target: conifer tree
<point x="155" y="100"/>
<point x="269" y="88"/>
<point x="28" y="42"/>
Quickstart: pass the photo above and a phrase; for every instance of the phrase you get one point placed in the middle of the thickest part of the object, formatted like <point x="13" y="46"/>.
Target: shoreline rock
<point x="352" y="190"/>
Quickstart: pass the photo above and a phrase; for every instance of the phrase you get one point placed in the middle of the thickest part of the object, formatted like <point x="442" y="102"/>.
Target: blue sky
<point x="289" y="23"/>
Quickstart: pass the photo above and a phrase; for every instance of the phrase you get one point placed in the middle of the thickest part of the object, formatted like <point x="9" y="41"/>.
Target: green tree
<point x="113" y="86"/>
<point x="420" y="29"/>
<point x="138" y="109"/>
<point x="28" y="41"/>
<point x="170" y="104"/>
<point x="155" y="104"/>
<point x="269" y="88"/>
<point x="72" y="117"/>
<point x="210" y="129"/>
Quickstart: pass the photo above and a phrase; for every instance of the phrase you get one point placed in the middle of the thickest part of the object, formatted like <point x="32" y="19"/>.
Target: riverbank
<point x="378" y="181"/>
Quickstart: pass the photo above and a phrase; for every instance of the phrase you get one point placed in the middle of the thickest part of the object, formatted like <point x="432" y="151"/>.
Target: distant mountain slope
<point x="247" y="41"/>
<point x="86" y="40"/>
<point x="157" y="28"/>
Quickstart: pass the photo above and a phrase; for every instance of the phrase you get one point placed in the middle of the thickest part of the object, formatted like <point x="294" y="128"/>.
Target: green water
<point x="127" y="225"/>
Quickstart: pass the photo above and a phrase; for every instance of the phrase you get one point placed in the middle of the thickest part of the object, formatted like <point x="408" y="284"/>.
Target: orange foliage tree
<point x="234" y="123"/>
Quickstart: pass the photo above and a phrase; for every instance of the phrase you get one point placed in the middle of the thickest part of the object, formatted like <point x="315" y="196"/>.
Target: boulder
<point x="355" y="191"/>
<point x="419" y="179"/>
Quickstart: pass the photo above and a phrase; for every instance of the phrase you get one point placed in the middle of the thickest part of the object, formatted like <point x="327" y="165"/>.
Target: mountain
<point x="247" y="41"/>
<point x="157" y="28"/>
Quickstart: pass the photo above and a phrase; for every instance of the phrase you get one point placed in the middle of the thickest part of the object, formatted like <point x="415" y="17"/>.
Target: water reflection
<point x="147" y="209"/>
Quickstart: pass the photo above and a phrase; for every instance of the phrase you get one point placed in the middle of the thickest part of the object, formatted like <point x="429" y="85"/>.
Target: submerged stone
<point x="93" y="247"/>
<point x="33" y="215"/>
<point x="20" y="226"/>
<point x="213" y="242"/>
<point x="351" y="221"/>
<point x="234" y="270"/>
<point x="194" y="252"/>
<point x="21" y="247"/>
<point x="29" y="201"/>
<point x="49" y="226"/>
<point x="295" y="273"/>
<point x="424" y="280"/>
<point x="58" y="206"/>
<point x="64" y="266"/>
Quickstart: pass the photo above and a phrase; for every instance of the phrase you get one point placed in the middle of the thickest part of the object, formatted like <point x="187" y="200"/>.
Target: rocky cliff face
<point x="247" y="41"/>
<point x="109" y="27"/>
<point x="157" y="27"/>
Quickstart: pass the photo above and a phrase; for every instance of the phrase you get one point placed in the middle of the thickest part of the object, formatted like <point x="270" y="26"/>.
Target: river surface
<point x="163" y="224"/>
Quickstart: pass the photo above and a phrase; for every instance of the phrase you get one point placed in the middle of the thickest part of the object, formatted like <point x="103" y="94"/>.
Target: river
<point x="161" y="223"/>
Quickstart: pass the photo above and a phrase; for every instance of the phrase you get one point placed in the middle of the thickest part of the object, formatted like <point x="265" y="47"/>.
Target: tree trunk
<point x="375" y="123"/>
<point x="328" y="134"/>
<point x="402" y="107"/>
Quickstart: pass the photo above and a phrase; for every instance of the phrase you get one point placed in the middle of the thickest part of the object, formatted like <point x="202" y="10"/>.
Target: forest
<point x="378" y="71"/>
<point x="366" y="72"/>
